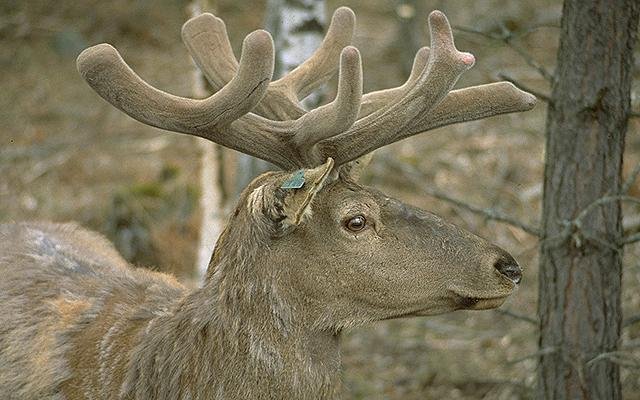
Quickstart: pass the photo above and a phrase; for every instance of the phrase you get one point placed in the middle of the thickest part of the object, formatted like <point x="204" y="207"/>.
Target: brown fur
<point x="76" y="322"/>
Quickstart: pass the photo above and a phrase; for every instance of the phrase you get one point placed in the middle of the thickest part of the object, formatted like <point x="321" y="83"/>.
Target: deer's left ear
<point x="299" y="190"/>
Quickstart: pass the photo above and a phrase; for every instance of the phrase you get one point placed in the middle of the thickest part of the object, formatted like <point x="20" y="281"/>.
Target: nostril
<point x="508" y="267"/>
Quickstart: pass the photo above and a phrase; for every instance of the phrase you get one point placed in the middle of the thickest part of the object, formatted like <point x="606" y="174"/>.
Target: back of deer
<point x="65" y="293"/>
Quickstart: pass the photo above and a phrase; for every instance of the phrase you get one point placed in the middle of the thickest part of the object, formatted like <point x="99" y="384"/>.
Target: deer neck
<point x="256" y="334"/>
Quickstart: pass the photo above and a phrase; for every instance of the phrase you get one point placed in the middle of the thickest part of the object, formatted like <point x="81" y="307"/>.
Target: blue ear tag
<point x="295" y="182"/>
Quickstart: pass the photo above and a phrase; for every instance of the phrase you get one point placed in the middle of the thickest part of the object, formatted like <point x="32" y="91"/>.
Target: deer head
<point x="343" y="253"/>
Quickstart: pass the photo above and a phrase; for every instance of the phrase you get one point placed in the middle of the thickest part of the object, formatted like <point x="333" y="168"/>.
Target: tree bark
<point x="298" y="28"/>
<point x="581" y="263"/>
<point x="410" y="17"/>
<point x="213" y="198"/>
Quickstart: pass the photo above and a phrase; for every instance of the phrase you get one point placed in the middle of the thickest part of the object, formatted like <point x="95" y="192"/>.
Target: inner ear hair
<point x="355" y="169"/>
<point x="297" y="202"/>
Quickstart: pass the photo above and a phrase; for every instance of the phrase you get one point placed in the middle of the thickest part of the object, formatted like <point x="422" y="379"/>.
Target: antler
<point x="278" y="129"/>
<point x="212" y="118"/>
<point x="207" y="40"/>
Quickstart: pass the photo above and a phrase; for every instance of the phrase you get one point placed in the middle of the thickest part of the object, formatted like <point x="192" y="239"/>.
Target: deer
<point x="307" y="253"/>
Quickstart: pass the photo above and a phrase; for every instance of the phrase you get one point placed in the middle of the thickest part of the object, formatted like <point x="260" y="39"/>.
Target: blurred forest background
<point x="65" y="154"/>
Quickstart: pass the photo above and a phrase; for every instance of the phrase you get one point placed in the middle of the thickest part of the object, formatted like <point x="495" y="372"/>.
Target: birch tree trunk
<point x="580" y="260"/>
<point x="409" y="14"/>
<point x="297" y="28"/>
<point x="212" y="198"/>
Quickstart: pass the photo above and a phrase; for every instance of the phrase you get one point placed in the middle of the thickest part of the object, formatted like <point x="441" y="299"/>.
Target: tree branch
<point x="631" y="321"/>
<point x="631" y="239"/>
<point x="507" y="38"/>
<point x="417" y="178"/>
<point x="540" y="95"/>
<point x="548" y="76"/>
<point x="601" y="201"/>
<point x="573" y="228"/>
<point x="537" y="354"/>
<point x="515" y="315"/>
<point x="617" y="357"/>
<point x="631" y="179"/>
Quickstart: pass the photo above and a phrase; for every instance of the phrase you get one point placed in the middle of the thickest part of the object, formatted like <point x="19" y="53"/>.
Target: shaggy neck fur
<point x="242" y="323"/>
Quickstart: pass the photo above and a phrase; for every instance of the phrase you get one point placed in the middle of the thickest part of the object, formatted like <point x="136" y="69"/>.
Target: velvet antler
<point x="253" y="115"/>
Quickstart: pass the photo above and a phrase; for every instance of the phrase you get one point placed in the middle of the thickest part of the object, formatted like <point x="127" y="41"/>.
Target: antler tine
<point x="207" y="40"/>
<point x="382" y="127"/>
<point x="473" y="103"/>
<point x="292" y="140"/>
<point x="208" y="43"/>
<point x="107" y="73"/>
<point x="375" y="100"/>
<point x="337" y="116"/>
<point x="468" y="104"/>
<point x="318" y="68"/>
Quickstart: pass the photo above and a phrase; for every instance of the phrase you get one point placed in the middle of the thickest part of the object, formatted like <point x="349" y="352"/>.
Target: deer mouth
<point x="458" y="302"/>
<point x="468" y="300"/>
<point x="480" y="303"/>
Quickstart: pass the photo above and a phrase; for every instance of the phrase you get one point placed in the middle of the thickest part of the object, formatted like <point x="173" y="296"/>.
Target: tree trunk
<point x="580" y="263"/>
<point x="410" y="17"/>
<point x="213" y="198"/>
<point x="297" y="27"/>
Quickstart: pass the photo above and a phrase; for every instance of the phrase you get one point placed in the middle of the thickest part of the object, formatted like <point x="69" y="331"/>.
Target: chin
<point x="477" y="300"/>
<point x="474" y="303"/>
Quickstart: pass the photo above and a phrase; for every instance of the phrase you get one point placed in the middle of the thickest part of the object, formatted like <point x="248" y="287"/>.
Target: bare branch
<point x="573" y="228"/>
<point x="537" y="354"/>
<point x="515" y="315"/>
<point x="532" y="28"/>
<point x="631" y="179"/>
<point x="507" y="38"/>
<point x="631" y="239"/>
<point x="626" y="186"/>
<point x="621" y="358"/>
<point x="417" y="179"/>
<point x="601" y="201"/>
<point x="631" y="320"/>
<point x="45" y="166"/>
<point x="519" y="85"/>
<point x="478" y="32"/>
<point x="548" y="76"/>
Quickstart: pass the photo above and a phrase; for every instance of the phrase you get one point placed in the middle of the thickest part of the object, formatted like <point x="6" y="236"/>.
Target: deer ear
<point x="299" y="190"/>
<point x="356" y="168"/>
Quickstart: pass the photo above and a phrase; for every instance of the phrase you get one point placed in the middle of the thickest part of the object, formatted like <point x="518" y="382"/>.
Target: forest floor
<point x="65" y="154"/>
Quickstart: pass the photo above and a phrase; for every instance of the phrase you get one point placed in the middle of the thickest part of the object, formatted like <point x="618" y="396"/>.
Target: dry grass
<point x="66" y="154"/>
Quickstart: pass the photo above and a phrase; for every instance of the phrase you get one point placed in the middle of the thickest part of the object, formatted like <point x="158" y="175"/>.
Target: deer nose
<point x="508" y="267"/>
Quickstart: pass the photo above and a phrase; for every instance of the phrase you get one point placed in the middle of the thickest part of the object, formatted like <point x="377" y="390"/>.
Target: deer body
<point x="92" y="327"/>
<point x="307" y="253"/>
<point x="98" y="329"/>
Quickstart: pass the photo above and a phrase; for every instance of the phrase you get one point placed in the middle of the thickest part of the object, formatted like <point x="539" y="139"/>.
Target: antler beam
<point x="107" y="73"/>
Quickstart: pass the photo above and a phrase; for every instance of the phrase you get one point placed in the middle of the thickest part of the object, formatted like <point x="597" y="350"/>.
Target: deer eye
<point x="356" y="223"/>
